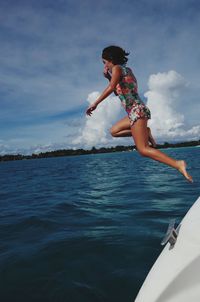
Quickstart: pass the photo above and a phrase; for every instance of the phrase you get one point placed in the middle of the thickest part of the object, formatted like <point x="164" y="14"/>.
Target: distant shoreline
<point x="71" y="152"/>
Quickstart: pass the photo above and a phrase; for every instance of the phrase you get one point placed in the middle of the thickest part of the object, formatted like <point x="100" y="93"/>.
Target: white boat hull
<point x="175" y="276"/>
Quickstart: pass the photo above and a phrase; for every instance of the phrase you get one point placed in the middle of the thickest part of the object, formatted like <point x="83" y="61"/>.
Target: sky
<point x="51" y="70"/>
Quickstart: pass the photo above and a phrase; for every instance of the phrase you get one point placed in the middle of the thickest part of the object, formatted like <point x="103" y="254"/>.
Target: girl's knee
<point x="143" y="151"/>
<point x="113" y="131"/>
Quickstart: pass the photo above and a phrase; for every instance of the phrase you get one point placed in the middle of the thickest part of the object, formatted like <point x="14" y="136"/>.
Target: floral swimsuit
<point x="127" y="90"/>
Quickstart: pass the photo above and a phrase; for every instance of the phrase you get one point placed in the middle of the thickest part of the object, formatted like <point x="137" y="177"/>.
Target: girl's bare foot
<point x="182" y="168"/>
<point x="153" y="144"/>
<point x="151" y="139"/>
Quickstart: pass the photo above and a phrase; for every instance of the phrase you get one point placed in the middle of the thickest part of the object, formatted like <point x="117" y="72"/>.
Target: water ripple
<point x="87" y="228"/>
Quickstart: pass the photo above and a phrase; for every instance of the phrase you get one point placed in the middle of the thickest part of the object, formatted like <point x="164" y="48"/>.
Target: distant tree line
<point x="71" y="152"/>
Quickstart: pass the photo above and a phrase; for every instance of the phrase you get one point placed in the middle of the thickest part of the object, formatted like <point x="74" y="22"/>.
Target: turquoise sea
<point x="87" y="228"/>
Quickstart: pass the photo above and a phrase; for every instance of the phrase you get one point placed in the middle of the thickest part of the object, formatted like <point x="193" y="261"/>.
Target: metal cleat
<point x="171" y="234"/>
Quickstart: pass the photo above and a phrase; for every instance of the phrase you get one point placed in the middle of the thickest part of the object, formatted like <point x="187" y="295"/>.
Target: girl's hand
<point x="90" y="109"/>
<point x="106" y="73"/>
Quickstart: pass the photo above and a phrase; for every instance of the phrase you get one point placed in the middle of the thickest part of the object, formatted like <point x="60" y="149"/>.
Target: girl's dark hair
<point x="115" y="54"/>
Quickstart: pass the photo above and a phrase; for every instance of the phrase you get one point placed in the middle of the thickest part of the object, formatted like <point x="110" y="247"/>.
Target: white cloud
<point x="96" y="129"/>
<point x="163" y="99"/>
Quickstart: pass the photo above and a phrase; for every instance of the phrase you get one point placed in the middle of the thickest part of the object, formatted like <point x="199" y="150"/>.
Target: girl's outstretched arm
<point x="116" y="74"/>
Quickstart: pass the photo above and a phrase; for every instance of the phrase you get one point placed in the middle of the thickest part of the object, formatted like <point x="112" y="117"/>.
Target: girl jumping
<point x="123" y="82"/>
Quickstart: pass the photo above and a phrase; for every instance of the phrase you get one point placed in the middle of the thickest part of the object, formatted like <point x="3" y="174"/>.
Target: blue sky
<point x="50" y="58"/>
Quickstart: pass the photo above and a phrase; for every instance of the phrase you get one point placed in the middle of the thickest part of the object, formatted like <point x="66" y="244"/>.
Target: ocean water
<point x="87" y="228"/>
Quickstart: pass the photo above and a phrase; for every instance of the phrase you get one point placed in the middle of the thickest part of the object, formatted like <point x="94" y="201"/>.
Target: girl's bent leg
<point x="140" y="135"/>
<point x="121" y="128"/>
